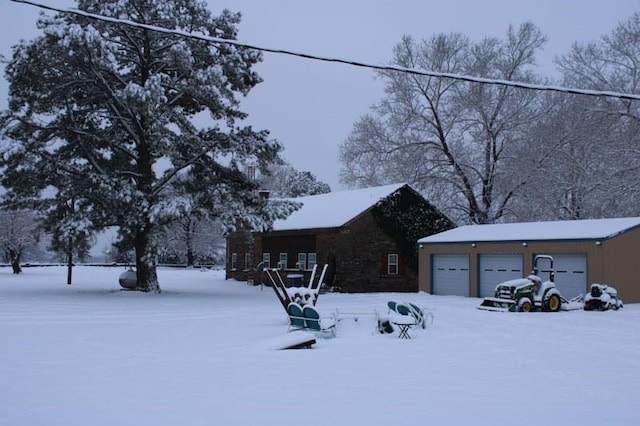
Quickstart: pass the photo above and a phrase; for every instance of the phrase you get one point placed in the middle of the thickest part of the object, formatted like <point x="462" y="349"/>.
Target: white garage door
<point x="450" y="274"/>
<point x="571" y="274"/>
<point x="497" y="268"/>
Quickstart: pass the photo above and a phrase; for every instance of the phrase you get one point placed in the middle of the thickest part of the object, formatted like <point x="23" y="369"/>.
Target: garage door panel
<point x="450" y="274"/>
<point x="495" y="268"/>
<point x="571" y="274"/>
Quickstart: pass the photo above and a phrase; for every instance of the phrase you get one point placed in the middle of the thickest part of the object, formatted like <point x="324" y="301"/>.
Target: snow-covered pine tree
<point x="111" y="110"/>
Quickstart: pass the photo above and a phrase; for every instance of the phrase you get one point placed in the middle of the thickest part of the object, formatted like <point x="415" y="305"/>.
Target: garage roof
<point x="535" y="231"/>
<point x="333" y="209"/>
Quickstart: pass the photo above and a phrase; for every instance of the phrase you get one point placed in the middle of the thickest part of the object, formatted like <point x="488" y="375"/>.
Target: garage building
<point x="471" y="260"/>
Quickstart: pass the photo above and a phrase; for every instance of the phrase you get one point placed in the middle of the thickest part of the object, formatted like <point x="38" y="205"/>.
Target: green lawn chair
<point x="423" y="317"/>
<point x="296" y="317"/>
<point x="314" y="323"/>
<point x="403" y="309"/>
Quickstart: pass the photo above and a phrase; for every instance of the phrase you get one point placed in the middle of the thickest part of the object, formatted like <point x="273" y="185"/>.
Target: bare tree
<point x="18" y="232"/>
<point x="190" y="240"/>
<point x="283" y="180"/>
<point x="449" y="139"/>
<point x="406" y="137"/>
<point x="567" y="165"/>
<point x="588" y="148"/>
<point x="609" y="64"/>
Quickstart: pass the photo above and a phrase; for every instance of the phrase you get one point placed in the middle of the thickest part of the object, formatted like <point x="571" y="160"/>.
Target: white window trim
<point x="282" y="262"/>
<point x="302" y="261"/>
<point x="395" y="263"/>
<point x="311" y="263"/>
<point x="247" y="261"/>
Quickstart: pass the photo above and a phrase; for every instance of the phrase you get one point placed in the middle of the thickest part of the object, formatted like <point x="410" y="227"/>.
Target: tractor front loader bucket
<point x="498" y="305"/>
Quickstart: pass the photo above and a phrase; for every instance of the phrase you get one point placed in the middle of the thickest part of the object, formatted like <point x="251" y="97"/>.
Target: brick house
<point x="366" y="236"/>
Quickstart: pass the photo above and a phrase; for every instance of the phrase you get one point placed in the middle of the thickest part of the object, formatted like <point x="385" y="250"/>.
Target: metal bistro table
<point x="404" y="323"/>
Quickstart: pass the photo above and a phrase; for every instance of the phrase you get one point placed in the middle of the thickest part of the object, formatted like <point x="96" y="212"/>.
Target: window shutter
<point x="401" y="264"/>
<point x="383" y="264"/>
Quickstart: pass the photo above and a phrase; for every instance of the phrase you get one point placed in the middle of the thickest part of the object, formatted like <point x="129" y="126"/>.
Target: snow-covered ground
<point x="201" y="353"/>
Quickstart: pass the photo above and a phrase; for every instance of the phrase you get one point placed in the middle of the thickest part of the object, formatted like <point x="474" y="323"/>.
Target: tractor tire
<point x="553" y="303"/>
<point x="524" y="305"/>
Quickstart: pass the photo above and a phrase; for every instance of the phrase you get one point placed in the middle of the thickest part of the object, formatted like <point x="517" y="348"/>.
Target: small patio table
<point x="404" y="323"/>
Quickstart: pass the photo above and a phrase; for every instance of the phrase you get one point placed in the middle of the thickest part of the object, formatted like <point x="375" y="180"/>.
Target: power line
<point x="413" y="71"/>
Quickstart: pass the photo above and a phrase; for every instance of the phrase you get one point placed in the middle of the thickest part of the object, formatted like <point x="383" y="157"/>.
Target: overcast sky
<point x="311" y="106"/>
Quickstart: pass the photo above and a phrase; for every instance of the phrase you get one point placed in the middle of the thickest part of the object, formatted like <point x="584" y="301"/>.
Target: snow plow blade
<point x="572" y="304"/>
<point x="497" y="305"/>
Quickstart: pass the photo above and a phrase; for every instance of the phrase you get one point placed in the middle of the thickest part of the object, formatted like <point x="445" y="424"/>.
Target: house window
<point x="266" y="260"/>
<point x="392" y="264"/>
<point x="251" y="172"/>
<point x="247" y="261"/>
<point x="282" y="263"/>
<point x="302" y="261"/>
<point x="234" y="261"/>
<point x="311" y="260"/>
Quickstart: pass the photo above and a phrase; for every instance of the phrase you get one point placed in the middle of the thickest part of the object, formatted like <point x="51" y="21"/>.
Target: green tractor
<point x="528" y="294"/>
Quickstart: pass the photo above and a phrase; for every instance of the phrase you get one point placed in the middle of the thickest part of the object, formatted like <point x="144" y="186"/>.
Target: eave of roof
<point x="588" y="229"/>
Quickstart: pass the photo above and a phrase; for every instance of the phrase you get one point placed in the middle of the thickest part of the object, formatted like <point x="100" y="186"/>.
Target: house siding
<point x="619" y="265"/>
<point x="360" y="249"/>
<point x="290" y="244"/>
<point x="239" y="243"/>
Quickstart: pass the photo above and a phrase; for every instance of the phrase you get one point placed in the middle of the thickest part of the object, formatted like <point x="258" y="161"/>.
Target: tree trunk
<point x="191" y="257"/>
<point x="146" y="274"/>
<point x="189" y="237"/>
<point x="15" y="265"/>
<point x="69" y="261"/>
<point x="14" y="259"/>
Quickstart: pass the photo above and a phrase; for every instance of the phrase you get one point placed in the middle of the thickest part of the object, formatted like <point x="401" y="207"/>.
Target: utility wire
<point x="413" y="71"/>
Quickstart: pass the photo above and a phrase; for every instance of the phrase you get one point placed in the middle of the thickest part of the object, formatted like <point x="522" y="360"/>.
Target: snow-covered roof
<point x="536" y="231"/>
<point x="333" y="209"/>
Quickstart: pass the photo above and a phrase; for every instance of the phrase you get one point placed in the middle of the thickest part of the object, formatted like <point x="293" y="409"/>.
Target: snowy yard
<point x="200" y="354"/>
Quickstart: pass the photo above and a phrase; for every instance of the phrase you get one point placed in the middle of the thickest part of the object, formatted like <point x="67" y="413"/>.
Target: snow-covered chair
<point x="313" y="322"/>
<point x="301" y="295"/>
<point x="423" y="317"/>
<point x="296" y="317"/>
